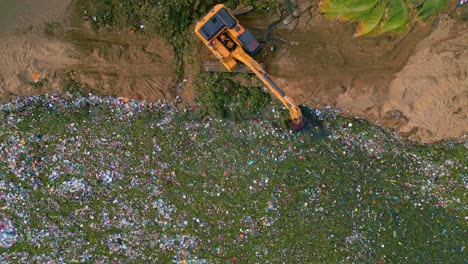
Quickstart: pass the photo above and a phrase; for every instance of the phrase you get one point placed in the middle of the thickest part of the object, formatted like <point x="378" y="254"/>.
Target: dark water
<point x="314" y="126"/>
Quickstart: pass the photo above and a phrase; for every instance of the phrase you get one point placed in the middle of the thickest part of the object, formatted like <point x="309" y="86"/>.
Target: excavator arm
<point x="294" y="111"/>
<point x="229" y="41"/>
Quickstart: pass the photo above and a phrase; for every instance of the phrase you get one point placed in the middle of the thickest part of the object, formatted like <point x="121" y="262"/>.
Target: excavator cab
<point x="231" y="43"/>
<point x="221" y="19"/>
<point x="250" y="43"/>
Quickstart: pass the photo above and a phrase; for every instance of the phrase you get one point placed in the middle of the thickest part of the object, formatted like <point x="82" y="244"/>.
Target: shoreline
<point x="418" y="93"/>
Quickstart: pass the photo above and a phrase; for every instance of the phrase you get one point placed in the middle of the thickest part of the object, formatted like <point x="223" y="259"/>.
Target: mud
<point x="414" y="82"/>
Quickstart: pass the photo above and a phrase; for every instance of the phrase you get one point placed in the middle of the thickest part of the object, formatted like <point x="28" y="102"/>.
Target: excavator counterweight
<point x="231" y="43"/>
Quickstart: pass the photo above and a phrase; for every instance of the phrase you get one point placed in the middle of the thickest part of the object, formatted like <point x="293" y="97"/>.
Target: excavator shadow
<point x="313" y="124"/>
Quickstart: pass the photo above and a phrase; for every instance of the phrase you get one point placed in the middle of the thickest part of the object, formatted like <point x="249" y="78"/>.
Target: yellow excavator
<point x="230" y="42"/>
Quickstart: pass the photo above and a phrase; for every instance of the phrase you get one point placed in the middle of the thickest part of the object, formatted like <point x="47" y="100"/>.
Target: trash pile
<point x="114" y="180"/>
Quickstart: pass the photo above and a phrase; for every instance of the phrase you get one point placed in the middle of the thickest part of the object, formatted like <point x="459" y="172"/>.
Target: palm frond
<point x="353" y="16"/>
<point x="402" y="27"/>
<point x="332" y="8"/>
<point x="356" y="11"/>
<point x="360" y="5"/>
<point x="396" y="15"/>
<point x="370" y="22"/>
<point x="379" y="16"/>
<point x="346" y="10"/>
<point x="414" y="4"/>
<point x="431" y="7"/>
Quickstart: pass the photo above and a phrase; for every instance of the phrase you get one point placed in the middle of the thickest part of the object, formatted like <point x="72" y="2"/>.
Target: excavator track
<point x="216" y="66"/>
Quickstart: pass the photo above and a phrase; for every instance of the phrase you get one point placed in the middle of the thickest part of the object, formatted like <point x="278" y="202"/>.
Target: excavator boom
<point x="231" y="43"/>
<point x="294" y="111"/>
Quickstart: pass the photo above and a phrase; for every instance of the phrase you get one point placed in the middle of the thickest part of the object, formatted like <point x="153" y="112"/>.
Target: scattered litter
<point x="104" y="179"/>
<point x="36" y="77"/>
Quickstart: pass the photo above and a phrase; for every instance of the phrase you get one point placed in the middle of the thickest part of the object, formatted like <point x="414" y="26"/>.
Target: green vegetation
<point x="263" y="6"/>
<point x="374" y="16"/>
<point x="223" y="191"/>
<point x="220" y="97"/>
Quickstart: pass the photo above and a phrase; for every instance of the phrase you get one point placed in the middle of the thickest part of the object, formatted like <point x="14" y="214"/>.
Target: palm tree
<point x="379" y="16"/>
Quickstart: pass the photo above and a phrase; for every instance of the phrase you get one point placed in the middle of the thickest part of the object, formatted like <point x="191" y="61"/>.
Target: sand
<point x="25" y="50"/>
<point x="431" y="91"/>
<point x="414" y="82"/>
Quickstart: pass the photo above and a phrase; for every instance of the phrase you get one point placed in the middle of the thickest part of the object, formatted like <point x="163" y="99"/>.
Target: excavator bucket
<point x="234" y="45"/>
<point x="298" y="125"/>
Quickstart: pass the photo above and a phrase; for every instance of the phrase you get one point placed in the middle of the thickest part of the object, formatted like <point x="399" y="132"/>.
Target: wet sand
<point x="19" y="15"/>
